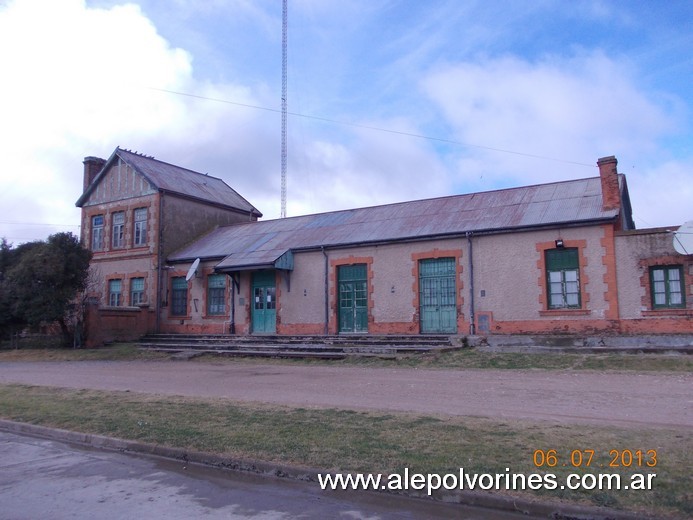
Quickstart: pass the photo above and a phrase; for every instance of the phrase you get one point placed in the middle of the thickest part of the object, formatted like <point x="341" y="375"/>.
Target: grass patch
<point x="467" y="358"/>
<point x="115" y="352"/>
<point x="339" y="440"/>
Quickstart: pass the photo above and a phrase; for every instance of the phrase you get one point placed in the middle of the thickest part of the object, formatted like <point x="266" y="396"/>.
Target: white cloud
<point x="72" y="86"/>
<point x="83" y="85"/>
<point x="576" y="110"/>
<point x="82" y="80"/>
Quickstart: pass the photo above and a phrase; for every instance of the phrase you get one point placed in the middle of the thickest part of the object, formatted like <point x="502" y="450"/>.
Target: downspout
<point x="472" y="327"/>
<point x="232" y="325"/>
<point x="159" y="273"/>
<point x="327" y="294"/>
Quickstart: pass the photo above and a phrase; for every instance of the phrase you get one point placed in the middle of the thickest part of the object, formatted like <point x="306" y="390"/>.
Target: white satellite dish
<point x="683" y="239"/>
<point x="193" y="270"/>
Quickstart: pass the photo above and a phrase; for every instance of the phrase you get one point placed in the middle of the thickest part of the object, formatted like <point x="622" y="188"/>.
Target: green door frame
<point x="438" y="296"/>
<point x="264" y="307"/>
<point x="353" y="298"/>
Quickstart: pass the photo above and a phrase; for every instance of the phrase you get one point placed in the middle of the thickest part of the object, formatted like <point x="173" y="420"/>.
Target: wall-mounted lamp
<point x="393" y="289"/>
<point x="305" y="292"/>
<point x="559" y="243"/>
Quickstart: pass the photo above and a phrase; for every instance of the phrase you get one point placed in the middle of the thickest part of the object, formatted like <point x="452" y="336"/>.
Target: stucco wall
<point x="103" y="270"/>
<point x="637" y="251"/>
<point x="304" y="304"/>
<point x="185" y="220"/>
<point x="507" y="273"/>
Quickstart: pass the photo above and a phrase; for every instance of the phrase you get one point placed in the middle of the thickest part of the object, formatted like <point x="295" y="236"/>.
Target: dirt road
<point x="615" y="398"/>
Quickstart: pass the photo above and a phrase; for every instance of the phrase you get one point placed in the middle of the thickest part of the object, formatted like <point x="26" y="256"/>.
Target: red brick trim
<point x="169" y="297"/>
<point x="609" y="261"/>
<point x="107" y="210"/>
<point x="145" y="290"/>
<point x="111" y="277"/>
<point x="560" y="325"/>
<point x="333" y="325"/>
<point x="541" y="247"/>
<point x="646" y="300"/>
<point x="206" y="272"/>
<point x="433" y="254"/>
<point x="565" y="312"/>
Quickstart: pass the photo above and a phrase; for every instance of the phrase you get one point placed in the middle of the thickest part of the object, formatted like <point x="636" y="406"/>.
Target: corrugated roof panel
<point x="254" y="243"/>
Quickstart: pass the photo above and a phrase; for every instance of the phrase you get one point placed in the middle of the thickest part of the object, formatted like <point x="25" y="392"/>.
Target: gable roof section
<point x="261" y="244"/>
<point x="174" y="179"/>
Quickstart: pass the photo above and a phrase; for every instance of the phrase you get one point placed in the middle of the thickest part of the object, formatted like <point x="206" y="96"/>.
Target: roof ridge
<point x="152" y="158"/>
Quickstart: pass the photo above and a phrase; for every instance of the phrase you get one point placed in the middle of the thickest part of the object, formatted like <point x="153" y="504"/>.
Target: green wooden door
<point x="437" y="296"/>
<point x="353" y="298"/>
<point x="264" y="311"/>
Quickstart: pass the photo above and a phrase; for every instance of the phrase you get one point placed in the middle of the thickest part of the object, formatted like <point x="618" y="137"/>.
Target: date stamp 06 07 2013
<point x="585" y="458"/>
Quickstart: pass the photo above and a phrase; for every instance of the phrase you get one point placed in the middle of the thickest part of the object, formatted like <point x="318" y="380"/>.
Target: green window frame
<point x="667" y="287"/>
<point x="136" y="291"/>
<point x="563" y="278"/>
<point x="216" y="294"/>
<point x="179" y="296"/>
<point x="115" y="293"/>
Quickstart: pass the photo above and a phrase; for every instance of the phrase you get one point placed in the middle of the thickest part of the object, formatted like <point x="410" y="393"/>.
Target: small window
<point x="667" y="287"/>
<point x="136" y="291"/>
<point x="118" y="228"/>
<point x="140" y="230"/>
<point x="563" y="278"/>
<point x="114" y="293"/>
<point x="97" y="232"/>
<point x="179" y="296"/>
<point x="216" y="294"/>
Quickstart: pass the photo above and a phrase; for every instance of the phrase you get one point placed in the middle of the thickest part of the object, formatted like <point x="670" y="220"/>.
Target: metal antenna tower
<point x="284" y="37"/>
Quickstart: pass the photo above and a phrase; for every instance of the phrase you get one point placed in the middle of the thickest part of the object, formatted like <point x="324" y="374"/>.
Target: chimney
<point x="611" y="194"/>
<point x="92" y="166"/>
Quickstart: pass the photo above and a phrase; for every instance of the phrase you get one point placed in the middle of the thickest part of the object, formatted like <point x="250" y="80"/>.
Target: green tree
<point x="44" y="279"/>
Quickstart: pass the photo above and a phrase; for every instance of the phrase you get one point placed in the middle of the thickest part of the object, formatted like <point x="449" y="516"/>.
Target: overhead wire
<point x="375" y="128"/>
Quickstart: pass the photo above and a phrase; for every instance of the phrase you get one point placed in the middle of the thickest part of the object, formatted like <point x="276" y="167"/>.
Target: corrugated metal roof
<point x="174" y="179"/>
<point x="262" y="242"/>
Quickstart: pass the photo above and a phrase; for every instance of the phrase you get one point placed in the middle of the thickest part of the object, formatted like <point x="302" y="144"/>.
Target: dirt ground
<point x="658" y="400"/>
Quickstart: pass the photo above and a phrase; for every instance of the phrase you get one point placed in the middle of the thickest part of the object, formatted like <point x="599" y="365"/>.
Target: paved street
<point x="43" y="479"/>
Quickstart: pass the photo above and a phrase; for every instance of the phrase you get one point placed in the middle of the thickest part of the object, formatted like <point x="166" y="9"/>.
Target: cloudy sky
<point x="389" y="100"/>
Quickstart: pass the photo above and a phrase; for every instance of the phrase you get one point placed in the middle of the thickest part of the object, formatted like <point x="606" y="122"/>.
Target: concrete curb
<point x="554" y="510"/>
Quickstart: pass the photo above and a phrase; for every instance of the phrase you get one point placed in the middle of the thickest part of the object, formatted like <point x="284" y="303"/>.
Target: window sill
<point x="565" y="312"/>
<point x="668" y="312"/>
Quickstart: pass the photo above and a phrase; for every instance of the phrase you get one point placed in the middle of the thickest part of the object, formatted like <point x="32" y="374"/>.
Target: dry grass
<point x="340" y="440"/>
<point x="115" y="352"/>
<point x="475" y="359"/>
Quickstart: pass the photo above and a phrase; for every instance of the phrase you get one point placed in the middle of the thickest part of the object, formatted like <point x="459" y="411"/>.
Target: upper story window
<point x="140" y="231"/>
<point x="179" y="296"/>
<point x="97" y="232"/>
<point x="115" y="294"/>
<point x="563" y="278"/>
<point x="667" y="284"/>
<point x="136" y="291"/>
<point x="118" y="228"/>
<point x="216" y="294"/>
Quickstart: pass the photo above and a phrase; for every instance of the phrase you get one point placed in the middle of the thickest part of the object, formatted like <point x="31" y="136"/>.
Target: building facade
<point x="556" y="258"/>
<point x="135" y="212"/>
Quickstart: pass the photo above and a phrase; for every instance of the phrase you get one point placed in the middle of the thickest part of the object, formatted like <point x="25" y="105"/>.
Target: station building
<point x="178" y="251"/>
